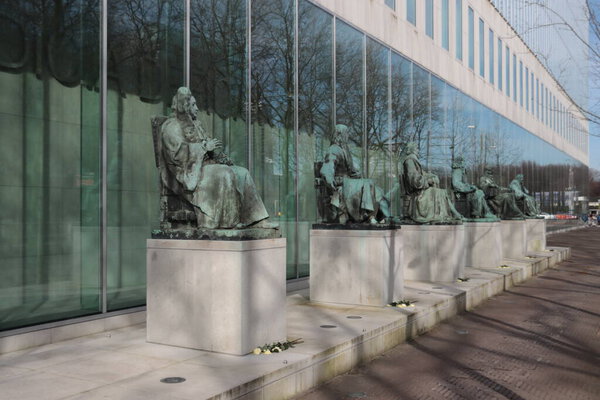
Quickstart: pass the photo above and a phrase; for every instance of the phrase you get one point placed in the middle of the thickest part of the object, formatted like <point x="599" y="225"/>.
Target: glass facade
<point x="500" y="65"/>
<point x="271" y="78"/>
<point x="481" y="48"/>
<point x="491" y="61"/>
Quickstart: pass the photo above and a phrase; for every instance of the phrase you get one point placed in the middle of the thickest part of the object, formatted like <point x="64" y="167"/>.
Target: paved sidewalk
<point x="538" y="340"/>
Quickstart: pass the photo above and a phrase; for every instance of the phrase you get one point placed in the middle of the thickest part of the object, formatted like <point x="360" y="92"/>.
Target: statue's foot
<point x="373" y="221"/>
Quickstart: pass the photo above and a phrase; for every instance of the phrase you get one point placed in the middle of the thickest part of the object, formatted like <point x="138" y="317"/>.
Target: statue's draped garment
<point x="501" y="200"/>
<point x="427" y="203"/>
<point x="223" y="196"/>
<point x="476" y="198"/>
<point x="360" y="198"/>
<point x="530" y="207"/>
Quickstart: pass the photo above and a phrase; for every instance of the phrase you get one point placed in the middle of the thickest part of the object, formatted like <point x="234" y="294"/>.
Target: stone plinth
<point x="536" y="234"/>
<point x="433" y="253"/>
<point x="483" y="244"/>
<point x="514" y="238"/>
<point x="352" y="266"/>
<point x="222" y="296"/>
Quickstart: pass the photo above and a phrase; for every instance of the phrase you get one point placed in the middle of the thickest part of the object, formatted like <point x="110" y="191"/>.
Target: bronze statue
<point x="343" y="195"/>
<point x="529" y="205"/>
<point x="476" y="206"/>
<point x="500" y="199"/>
<point x="425" y="201"/>
<point x="199" y="180"/>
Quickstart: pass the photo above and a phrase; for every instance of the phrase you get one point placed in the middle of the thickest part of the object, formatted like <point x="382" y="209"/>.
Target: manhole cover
<point x="173" y="379"/>
<point x="357" y="395"/>
<point x="328" y="326"/>
<point x="354" y="317"/>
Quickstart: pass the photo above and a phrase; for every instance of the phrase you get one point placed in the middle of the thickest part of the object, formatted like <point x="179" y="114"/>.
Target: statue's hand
<point x="213" y="144"/>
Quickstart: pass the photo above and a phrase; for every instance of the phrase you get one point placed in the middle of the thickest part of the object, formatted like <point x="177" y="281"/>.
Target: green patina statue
<point x="528" y="204"/>
<point x="203" y="195"/>
<point x="424" y="201"/>
<point x="343" y="195"/>
<point x="500" y="199"/>
<point x="475" y="206"/>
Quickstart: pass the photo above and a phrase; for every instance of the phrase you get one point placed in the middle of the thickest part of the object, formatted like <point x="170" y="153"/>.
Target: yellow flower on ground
<point x="256" y="350"/>
<point x="267" y="352"/>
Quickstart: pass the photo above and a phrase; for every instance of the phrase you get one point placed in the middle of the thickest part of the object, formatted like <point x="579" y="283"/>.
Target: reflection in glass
<point x="145" y="68"/>
<point x="50" y="176"/>
<point x="458" y="10"/>
<point x="471" y="23"/>
<point x="445" y="25"/>
<point x="272" y="112"/>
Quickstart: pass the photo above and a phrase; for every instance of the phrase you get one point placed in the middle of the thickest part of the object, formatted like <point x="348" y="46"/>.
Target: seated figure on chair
<point x="427" y="203"/>
<point x="477" y="207"/>
<point x="220" y="194"/>
<point x="500" y="199"/>
<point x="344" y="195"/>
<point x="529" y="206"/>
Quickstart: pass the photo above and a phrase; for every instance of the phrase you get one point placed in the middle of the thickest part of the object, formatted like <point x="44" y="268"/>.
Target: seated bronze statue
<point x="473" y="197"/>
<point x="528" y="204"/>
<point x="426" y="202"/>
<point x="343" y="196"/>
<point x="200" y="186"/>
<point x="500" y="199"/>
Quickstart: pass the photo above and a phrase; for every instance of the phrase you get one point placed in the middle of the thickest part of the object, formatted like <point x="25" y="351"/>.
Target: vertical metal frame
<point x="296" y="132"/>
<point x="249" y="142"/>
<point x="103" y="155"/>
<point x="186" y="44"/>
<point x="390" y="175"/>
<point x="365" y="167"/>
<point x="334" y="74"/>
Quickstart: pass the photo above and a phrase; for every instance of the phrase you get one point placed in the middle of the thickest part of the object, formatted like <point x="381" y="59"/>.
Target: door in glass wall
<point x="145" y="68"/>
<point x="50" y="177"/>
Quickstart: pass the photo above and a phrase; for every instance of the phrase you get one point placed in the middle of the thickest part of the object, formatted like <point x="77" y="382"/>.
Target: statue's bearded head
<point x="412" y="148"/>
<point x="459" y="162"/>
<point x="341" y="134"/>
<point x="519" y="177"/>
<point x="184" y="104"/>
<point x="489" y="171"/>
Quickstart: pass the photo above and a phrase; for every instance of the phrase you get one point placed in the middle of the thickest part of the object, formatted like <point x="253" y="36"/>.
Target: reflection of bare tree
<point x="377" y="96"/>
<point x="218" y="56"/>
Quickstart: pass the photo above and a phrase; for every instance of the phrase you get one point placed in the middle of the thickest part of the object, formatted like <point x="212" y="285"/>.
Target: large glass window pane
<point x="218" y="68"/>
<point x="421" y="112"/>
<point x="491" y="61"/>
<point x="50" y="176"/>
<point x="145" y="67"/>
<point x="315" y="118"/>
<point x="377" y="114"/>
<point x="429" y="18"/>
<point x="272" y="109"/>
<point x="349" y="87"/>
<point x="445" y="25"/>
<point x="458" y="10"/>
<point x="401" y="116"/>
<point x="471" y="22"/>
<point x="527" y="88"/>
<point x="411" y="11"/>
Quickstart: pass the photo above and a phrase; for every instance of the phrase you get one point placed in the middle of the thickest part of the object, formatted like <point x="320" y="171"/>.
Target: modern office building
<point x="81" y="79"/>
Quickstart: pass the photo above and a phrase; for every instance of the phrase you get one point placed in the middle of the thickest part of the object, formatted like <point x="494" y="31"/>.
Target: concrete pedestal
<point x="222" y="296"/>
<point x="514" y="238"/>
<point x="356" y="266"/>
<point x="483" y="244"/>
<point x="536" y="234"/>
<point x="434" y="253"/>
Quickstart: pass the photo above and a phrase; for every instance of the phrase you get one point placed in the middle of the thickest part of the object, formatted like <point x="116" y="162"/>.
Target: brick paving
<point x="538" y="340"/>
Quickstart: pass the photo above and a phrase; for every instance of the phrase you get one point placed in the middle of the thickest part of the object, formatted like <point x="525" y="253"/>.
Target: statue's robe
<point x="475" y="196"/>
<point x="530" y="206"/>
<point x="427" y="203"/>
<point x="357" y="197"/>
<point x="501" y="200"/>
<point x="223" y="196"/>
